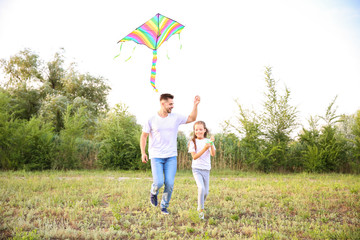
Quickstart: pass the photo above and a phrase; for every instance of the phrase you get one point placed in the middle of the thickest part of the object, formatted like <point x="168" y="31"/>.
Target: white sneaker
<point x="201" y="215"/>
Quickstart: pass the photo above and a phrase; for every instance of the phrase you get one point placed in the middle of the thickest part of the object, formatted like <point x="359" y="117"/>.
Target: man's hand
<point x="144" y="158"/>
<point x="193" y="114"/>
<point x="197" y="100"/>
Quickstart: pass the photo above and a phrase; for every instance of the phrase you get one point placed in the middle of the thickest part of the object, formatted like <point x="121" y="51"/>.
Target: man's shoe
<point x="153" y="199"/>
<point x="164" y="211"/>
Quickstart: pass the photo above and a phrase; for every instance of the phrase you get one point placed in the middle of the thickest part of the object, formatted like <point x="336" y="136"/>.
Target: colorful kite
<point x="152" y="34"/>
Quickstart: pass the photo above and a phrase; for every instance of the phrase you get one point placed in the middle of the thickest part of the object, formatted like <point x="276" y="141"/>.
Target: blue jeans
<point x="163" y="171"/>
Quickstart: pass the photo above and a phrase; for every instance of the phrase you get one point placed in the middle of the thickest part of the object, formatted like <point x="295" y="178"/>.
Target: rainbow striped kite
<point x="152" y="34"/>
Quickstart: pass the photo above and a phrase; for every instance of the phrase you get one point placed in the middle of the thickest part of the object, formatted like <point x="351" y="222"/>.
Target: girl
<point x="201" y="148"/>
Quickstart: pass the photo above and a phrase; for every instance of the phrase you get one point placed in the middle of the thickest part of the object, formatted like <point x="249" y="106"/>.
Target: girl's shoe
<point x="201" y="215"/>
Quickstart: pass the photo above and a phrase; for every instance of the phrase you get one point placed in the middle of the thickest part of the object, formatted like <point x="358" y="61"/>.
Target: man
<point x="163" y="129"/>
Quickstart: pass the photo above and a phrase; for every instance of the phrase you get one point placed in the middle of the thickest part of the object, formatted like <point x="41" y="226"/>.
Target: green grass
<point x="115" y="205"/>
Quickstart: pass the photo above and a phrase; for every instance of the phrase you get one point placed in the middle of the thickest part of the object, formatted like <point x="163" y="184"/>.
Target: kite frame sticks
<point x="153" y="34"/>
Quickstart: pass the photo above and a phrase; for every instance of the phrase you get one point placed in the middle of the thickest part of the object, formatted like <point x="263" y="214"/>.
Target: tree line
<point x="265" y="141"/>
<point x="54" y="117"/>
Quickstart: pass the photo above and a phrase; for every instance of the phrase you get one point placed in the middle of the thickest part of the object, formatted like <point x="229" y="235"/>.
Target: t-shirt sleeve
<point x="146" y="127"/>
<point x="191" y="147"/>
<point x="181" y="119"/>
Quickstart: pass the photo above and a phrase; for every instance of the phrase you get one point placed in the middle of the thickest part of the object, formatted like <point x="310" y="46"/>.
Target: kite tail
<point x="153" y="70"/>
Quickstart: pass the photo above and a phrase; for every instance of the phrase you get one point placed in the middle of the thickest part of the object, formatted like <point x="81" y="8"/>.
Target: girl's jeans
<point x="163" y="171"/>
<point x="202" y="179"/>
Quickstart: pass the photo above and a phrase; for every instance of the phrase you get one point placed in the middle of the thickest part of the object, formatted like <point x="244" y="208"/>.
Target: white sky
<point x="313" y="47"/>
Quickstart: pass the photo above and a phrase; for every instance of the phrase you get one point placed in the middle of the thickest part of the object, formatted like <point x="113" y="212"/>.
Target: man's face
<point x="168" y="105"/>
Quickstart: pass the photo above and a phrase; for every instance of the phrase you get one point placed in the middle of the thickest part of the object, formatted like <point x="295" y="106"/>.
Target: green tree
<point x="67" y="142"/>
<point x="227" y="152"/>
<point x="352" y="133"/>
<point x="252" y="138"/>
<point x="183" y="159"/>
<point x="324" y="148"/>
<point x="36" y="145"/>
<point x="48" y="113"/>
<point x="280" y="120"/>
<point x="8" y="127"/>
<point x="120" y="140"/>
<point x="22" y="74"/>
<point x="46" y="89"/>
<point x="24" y="144"/>
<point x="21" y="68"/>
<point x="265" y="137"/>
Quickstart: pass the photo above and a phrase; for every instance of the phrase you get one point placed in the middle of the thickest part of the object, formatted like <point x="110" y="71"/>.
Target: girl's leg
<point x="206" y="177"/>
<point x="201" y="187"/>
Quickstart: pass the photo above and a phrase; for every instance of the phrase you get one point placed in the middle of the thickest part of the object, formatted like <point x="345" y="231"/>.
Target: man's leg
<point x="170" y="167"/>
<point x="157" y="170"/>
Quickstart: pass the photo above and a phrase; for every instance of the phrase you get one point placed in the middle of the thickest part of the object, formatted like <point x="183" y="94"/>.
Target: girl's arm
<point x="197" y="155"/>
<point x="212" y="149"/>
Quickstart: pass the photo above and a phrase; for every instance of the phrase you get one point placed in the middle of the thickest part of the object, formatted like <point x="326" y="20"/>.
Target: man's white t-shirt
<point x="163" y="134"/>
<point x="203" y="162"/>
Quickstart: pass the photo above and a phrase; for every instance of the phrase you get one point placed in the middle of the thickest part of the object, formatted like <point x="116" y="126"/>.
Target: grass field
<point x="115" y="205"/>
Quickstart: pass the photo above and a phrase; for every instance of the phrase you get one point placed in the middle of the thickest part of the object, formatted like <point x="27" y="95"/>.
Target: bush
<point x="120" y="141"/>
<point x="37" y="148"/>
<point x="324" y="149"/>
<point x="23" y="144"/>
<point x="69" y="139"/>
<point x="355" y="163"/>
<point x="227" y="152"/>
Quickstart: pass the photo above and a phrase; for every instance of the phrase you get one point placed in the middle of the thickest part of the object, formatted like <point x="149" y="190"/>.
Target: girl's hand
<point x="208" y="145"/>
<point x="212" y="138"/>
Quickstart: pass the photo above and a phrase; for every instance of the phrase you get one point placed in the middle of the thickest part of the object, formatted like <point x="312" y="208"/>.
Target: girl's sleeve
<point x="191" y="147"/>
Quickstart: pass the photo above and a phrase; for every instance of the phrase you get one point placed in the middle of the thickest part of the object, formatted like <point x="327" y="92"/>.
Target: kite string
<point x="180" y="42"/>
<point x="167" y="48"/>
<point x="119" y="51"/>
<point x="167" y="51"/>
<point x="131" y="54"/>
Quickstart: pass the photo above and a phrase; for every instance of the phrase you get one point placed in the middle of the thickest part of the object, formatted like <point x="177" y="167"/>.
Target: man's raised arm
<point x="193" y="115"/>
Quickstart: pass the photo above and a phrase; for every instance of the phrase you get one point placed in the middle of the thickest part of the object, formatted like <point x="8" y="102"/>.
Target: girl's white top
<point x="203" y="162"/>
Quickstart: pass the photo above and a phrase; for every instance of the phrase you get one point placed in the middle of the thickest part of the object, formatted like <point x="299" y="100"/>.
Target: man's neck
<point x="163" y="113"/>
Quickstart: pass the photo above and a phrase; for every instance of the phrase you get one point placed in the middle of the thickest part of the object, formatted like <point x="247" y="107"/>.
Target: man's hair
<point x="166" y="96"/>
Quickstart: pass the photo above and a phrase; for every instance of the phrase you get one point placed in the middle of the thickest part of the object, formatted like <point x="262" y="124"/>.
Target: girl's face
<point x="199" y="131"/>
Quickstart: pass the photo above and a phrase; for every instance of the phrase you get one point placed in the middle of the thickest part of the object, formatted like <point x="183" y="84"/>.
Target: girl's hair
<point x="194" y="136"/>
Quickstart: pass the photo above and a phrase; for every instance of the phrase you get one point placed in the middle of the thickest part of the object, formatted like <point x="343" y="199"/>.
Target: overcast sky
<point x="313" y="47"/>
